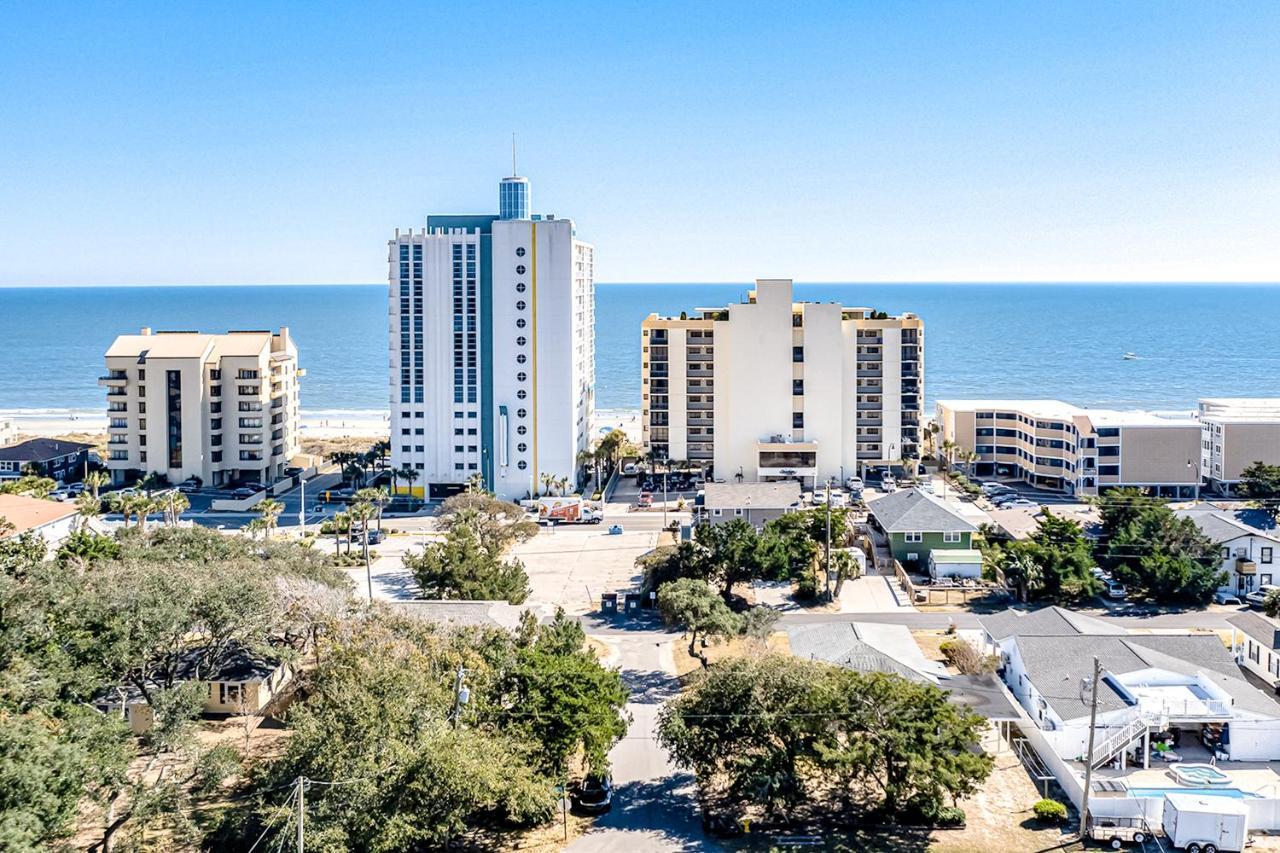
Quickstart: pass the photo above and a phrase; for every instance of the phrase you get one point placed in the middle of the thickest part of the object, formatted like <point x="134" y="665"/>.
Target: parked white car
<point x="854" y="485"/>
<point x="1259" y="595"/>
<point x="1116" y="591"/>
<point x="839" y="498"/>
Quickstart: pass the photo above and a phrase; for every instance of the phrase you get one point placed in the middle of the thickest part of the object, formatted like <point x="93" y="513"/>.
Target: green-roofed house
<point x="918" y="524"/>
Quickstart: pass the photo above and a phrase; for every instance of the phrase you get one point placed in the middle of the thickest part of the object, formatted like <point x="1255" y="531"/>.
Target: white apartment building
<point x="1055" y="445"/>
<point x="1236" y="433"/>
<point x="492" y="348"/>
<point x="773" y="389"/>
<point x="217" y="407"/>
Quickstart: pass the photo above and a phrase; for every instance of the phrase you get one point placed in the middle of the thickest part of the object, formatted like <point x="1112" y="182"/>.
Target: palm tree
<point x="971" y="458"/>
<point x="408" y="474"/>
<point x="362" y="511"/>
<point x="139" y="505"/>
<point x="377" y="497"/>
<point x="341" y="522"/>
<point x="562" y="483"/>
<point x="475" y="483"/>
<point x="116" y="502"/>
<point x="269" y="510"/>
<point x="89" y="507"/>
<point x="548" y="482"/>
<point x="95" y="480"/>
<point x="944" y="458"/>
<point x="253" y="526"/>
<point x="174" y="504"/>
<point x="381" y="448"/>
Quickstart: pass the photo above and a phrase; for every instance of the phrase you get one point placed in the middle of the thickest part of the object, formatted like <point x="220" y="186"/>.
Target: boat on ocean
<point x="1131" y="356"/>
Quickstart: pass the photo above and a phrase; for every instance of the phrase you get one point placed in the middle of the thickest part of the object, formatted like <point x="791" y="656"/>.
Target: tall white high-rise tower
<point x="492" y="348"/>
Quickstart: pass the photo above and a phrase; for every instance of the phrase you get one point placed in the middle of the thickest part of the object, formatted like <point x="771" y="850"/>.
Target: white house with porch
<point x="1250" y="553"/>
<point x="1150" y="685"/>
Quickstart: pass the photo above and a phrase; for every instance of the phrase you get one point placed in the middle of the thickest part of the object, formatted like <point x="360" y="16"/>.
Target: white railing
<point x="1119" y="740"/>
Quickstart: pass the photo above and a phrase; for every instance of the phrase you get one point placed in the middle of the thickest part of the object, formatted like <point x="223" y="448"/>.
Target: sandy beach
<point x="317" y="424"/>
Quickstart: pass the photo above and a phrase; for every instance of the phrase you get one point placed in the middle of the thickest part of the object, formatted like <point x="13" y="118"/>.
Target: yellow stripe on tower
<point x="533" y="264"/>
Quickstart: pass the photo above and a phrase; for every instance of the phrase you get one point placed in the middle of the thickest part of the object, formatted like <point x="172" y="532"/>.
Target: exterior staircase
<point x="1118" y="740"/>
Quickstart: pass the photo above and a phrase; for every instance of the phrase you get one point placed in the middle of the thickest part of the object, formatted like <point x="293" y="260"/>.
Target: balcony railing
<point x="113" y="380"/>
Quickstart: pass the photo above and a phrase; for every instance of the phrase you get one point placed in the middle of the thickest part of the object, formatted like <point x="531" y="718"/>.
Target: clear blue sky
<point x="935" y="141"/>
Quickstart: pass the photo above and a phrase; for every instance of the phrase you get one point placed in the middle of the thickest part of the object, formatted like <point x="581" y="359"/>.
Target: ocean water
<point x="981" y="340"/>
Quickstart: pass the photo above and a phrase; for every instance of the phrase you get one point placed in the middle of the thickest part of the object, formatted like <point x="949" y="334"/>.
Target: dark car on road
<point x="594" y="795"/>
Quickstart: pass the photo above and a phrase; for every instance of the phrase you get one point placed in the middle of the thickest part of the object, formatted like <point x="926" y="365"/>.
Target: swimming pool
<point x="1234" y="793"/>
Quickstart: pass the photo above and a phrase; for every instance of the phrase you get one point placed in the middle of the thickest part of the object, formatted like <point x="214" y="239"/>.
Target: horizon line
<point x="737" y="283"/>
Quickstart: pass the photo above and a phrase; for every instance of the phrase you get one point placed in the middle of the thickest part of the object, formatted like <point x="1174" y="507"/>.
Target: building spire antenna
<point x="514" y="173"/>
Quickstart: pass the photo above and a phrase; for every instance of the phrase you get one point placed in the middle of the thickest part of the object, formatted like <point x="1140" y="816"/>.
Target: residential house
<point x="60" y="460"/>
<point x="8" y="432"/>
<point x="1250" y="554"/>
<point x="754" y="503"/>
<point x="1150" y="684"/>
<point x="1258" y="645"/>
<point x="242" y="683"/>
<point x="917" y="524"/>
<point x="50" y="520"/>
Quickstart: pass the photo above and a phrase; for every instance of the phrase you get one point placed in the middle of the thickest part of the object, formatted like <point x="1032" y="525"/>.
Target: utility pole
<point x="827" y="567"/>
<point x="1088" y="756"/>
<point x="302" y="785"/>
<point x="302" y="509"/>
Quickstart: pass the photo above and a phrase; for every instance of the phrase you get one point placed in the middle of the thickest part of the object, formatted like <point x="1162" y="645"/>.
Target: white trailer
<point x="1205" y="823"/>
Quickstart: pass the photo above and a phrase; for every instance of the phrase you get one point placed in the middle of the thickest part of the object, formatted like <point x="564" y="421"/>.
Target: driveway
<point x="873" y="594"/>
<point x="654" y="804"/>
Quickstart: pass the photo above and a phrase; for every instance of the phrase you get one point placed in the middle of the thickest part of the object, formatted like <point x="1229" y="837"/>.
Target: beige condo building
<point x="217" y="407"/>
<point x="774" y="389"/>
<point x="1236" y="433"/>
<point x="1055" y="445"/>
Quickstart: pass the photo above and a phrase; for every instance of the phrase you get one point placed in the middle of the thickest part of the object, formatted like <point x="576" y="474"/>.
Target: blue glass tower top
<point x="513" y="198"/>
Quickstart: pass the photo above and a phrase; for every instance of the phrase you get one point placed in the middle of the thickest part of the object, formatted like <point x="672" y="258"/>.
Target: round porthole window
<point x="520" y="323"/>
<point x="520" y="306"/>
<point x="522" y="376"/>
<point x="522" y="447"/>
<point x="522" y="464"/>
<point x="521" y="341"/>
<point x="521" y="430"/>
<point x="520" y="413"/>
<point x="521" y="394"/>
<point x="520" y="251"/>
<point x="519" y="287"/>
<point x="521" y="358"/>
<point x="520" y="269"/>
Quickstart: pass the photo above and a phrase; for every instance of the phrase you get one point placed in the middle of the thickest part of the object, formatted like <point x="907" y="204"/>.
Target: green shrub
<point x="1050" y="811"/>
<point x="966" y="658"/>
<point x="950" y="816"/>
<point x="806" y="586"/>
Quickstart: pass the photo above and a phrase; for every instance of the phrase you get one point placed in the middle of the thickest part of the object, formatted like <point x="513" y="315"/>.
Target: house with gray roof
<point x="1250" y="553"/>
<point x="754" y="503"/>
<point x="1149" y="684"/>
<point x="917" y="523"/>
<point x="1257" y="645"/>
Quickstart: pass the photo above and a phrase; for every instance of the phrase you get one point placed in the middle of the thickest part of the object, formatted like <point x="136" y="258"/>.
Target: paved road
<point x="654" y="804"/>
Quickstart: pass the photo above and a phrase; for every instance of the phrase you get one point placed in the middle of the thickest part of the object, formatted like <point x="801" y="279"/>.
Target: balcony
<point x="118" y="439"/>
<point x="118" y="423"/>
<point x="116" y="379"/>
<point x="277" y="450"/>
<point x="870" y="373"/>
<point x="277" y="402"/>
<point x="117" y="392"/>
<point x="117" y="407"/>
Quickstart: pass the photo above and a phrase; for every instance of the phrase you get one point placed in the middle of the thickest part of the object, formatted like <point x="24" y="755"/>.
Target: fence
<point x="929" y="595"/>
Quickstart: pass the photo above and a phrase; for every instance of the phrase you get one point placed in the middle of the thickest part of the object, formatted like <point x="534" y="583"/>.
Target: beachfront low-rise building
<point x="774" y="389"/>
<point x="56" y="458"/>
<point x="1054" y="445"/>
<point x="218" y="407"/>
<point x="1236" y="433"/>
